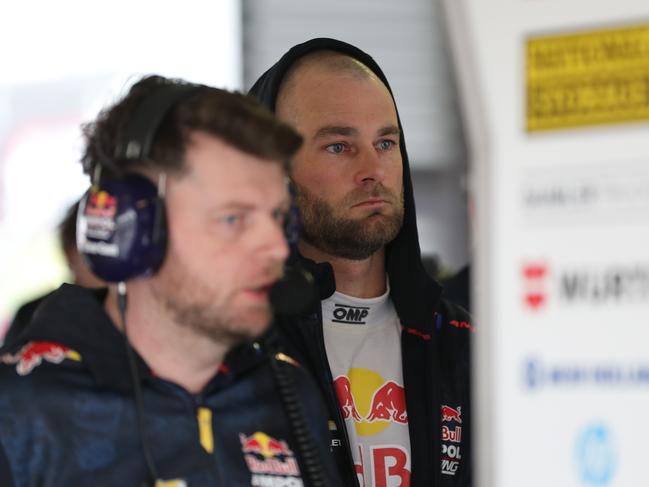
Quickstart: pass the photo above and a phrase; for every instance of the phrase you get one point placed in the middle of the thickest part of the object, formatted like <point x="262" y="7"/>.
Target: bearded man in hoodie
<point x="390" y="354"/>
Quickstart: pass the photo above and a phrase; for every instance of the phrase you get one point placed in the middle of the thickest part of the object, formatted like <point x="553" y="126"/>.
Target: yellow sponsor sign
<point x="588" y="78"/>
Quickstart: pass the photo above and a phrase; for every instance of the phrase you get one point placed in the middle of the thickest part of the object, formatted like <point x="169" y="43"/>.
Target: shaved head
<point x="326" y="61"/>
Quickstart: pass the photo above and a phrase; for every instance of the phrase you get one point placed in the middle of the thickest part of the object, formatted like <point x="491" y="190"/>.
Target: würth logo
<point x="354" y="315"/>
<point x="535" y="285"/>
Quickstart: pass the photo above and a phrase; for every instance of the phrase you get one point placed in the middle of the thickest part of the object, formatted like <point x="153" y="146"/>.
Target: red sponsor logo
<point x="101" y="204"/>
<point x="33" y="353"/>
<point x="389" y="465"/>
<point x="346" y="398"/>
<point x="267" y="455"/>
<point x="389" y="404"/>
<point x="452" y="435"/>
<point x="264" y="445"/>
<point x="451" y="414"/>
<point x="534" y="285"/>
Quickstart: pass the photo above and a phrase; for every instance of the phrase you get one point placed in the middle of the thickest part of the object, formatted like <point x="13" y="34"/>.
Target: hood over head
<point x="413" y="291"/>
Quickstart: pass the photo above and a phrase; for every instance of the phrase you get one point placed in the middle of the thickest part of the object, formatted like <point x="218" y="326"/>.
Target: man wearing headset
<point x="186" y="215"/>
<point x="391" y="355"/>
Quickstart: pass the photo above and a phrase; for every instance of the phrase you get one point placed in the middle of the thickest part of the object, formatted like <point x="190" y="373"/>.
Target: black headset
<point x="121" y="222"/>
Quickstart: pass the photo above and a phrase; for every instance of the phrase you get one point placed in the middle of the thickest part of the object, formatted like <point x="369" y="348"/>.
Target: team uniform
<point x="394" y="369"/>
<point x="67" y="414"/>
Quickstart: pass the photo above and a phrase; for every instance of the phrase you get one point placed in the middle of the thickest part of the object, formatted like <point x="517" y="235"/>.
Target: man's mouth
<point x="371" y="203"/>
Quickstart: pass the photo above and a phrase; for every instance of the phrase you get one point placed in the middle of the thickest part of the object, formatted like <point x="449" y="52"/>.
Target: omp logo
<point x="354" y="315"/>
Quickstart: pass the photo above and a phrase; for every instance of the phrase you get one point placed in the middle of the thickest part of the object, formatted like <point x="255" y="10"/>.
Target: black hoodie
<point x="435" y="337"/>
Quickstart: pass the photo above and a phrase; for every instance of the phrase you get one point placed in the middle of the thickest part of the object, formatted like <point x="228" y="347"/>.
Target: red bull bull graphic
<point x="389" y="404"/>
<point x="374" y="409"/>
<point x="33" y="353"/>
<point x="451" y="414"/>
<point x="346" y="398"/>
<point x="271" y="461"/>
<point x="451" y="439"/>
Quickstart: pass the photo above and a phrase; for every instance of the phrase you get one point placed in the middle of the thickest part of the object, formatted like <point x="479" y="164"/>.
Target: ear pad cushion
<point x="122" y="228"/>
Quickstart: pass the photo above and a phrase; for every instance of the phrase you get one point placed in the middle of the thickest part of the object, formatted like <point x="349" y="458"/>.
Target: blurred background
<point x="63" y="61"/>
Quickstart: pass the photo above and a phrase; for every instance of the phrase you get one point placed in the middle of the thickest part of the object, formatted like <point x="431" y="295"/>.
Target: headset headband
<point x="136" y="137"/>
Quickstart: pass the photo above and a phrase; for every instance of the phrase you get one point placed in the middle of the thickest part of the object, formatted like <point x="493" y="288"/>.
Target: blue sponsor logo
<point x="537" y="374"/>
<point x="596" y="455"/>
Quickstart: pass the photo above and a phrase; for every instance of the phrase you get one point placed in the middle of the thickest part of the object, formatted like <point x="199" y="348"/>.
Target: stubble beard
<point x="349" y="238"/>
<point x="218" y="325"/>
<point x="202" y="311"/>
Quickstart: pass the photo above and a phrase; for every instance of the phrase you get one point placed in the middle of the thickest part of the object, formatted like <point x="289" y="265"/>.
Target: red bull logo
<point x="33" y="353"/>
<point x="451" y="440"/>
<point x="451" y="414"/>
<point x="267" y="456"/>
<point x="372" y="402"/>
<point x="101" y="204"/>
<point x="264" y="445"/>
<point x="375" y="404"/>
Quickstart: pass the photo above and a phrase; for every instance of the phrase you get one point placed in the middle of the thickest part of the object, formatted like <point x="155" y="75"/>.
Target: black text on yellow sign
<point x="588" y="78"/>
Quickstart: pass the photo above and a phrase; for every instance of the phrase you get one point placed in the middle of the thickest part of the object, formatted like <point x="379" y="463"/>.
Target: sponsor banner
<point x="571" y="285"/>
<point x="539" y="374"/>
<point x="602" y="194"/>
<point x="587" y="78"/>
<point x="557" y="107"/>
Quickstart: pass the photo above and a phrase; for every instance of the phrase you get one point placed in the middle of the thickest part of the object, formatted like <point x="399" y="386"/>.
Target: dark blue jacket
<point x="67" y="414"/>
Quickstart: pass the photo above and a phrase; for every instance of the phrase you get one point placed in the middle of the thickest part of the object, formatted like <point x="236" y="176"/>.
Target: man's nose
<point x="370" y="168"/>
<point x="274" y="245"/>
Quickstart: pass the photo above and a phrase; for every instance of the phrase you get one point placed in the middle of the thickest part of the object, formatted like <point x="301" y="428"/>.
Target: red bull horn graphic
<point x="33" y="353"/>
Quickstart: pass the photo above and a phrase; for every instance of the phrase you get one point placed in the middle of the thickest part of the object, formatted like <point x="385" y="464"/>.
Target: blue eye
<point x="231" y="220"/>
<point x="279" y="216"/>
<point x="337" y="148"/>
<point x="386" y="144"/>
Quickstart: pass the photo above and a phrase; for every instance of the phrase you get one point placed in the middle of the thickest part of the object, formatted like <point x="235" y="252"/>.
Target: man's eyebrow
<point x="335" y="130"/>
<point x="389" y="130"/>
<point x="234" y="205"/>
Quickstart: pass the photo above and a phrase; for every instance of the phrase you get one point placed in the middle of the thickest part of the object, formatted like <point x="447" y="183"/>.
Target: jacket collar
<point x="74" y="316"/>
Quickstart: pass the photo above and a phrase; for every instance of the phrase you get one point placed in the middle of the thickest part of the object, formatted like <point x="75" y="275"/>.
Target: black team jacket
<point x="435" y="333"/>
<point x="68" y="418"/>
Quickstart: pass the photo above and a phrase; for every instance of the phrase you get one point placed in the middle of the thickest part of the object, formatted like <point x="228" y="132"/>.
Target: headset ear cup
<point x="160" y="223"/>
<point x="122" y="228"/>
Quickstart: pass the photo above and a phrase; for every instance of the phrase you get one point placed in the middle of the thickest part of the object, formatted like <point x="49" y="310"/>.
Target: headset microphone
<point x="294" y="293"/>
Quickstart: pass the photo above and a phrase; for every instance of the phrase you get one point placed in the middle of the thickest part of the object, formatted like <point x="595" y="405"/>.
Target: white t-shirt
<point x="363" y="343"/>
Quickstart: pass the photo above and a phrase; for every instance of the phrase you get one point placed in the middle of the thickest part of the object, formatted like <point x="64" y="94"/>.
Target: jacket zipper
<point x="332" y="398"/>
